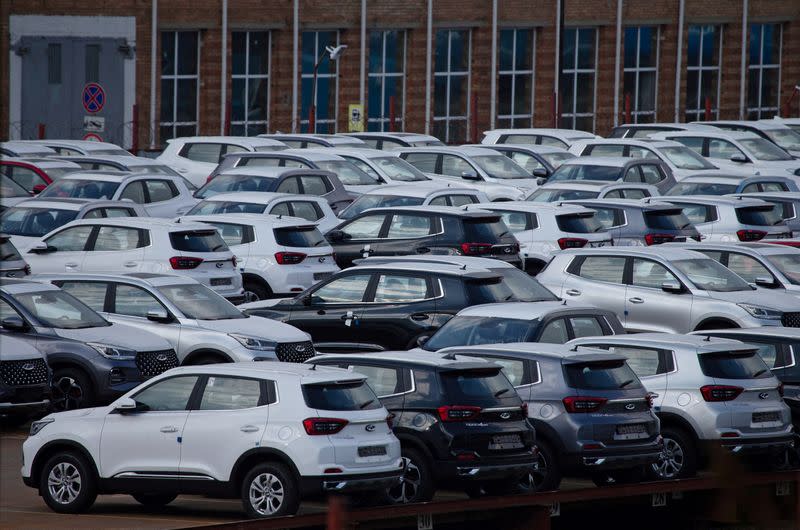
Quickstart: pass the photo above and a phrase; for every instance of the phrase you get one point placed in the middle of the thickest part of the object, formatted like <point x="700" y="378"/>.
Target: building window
<point x="641" y="72"/>
<point x="180" y="76"/>
<point x="578" y="78"/>
<point x="516" y="78"/>
<point x="314" y="43"/>
<point x="386" y="91"/>
<point x="250" y="52"/>
<point x="764" y="71"/>
<point x="703" y="72"/>
<point x="451" y="85"/>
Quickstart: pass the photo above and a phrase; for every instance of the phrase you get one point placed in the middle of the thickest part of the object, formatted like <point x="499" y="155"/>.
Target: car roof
<point x="712" y="200"/>
<point x="13" y="286"/>
<point x="266" y="221"/>
<point x="268" y="171"/>
<point x="718" y="133"/>
<point x="407" y="136"/>
<point x="144" y="222"/>
<point x="87" y="145"/>
<point x="556" y="208"/>
<point x="592" y="185"/>
<point x="358" y="152"/>
<point x="623" y="203"/>
<point x="414" y="357"/>
<point x="436" y="268"/>
<point x="613" y="161"/>
<point x="656" y="251"/>
<point x="441" y="210"/>
<point x="472" y="262"/>
<point x="764" y="125"/>
<point x="332" y="139"/>
<point x="102" y="175"/>
<point x="132" y="161"/>
<point x="764" y="249"/>
<point x="421" y="189"/>
<point x="563" y="133"/>
<point x="139" y="278"/>
<point x="524" y="310"/>
<point x="558" y="352"/>
<point x="770" y="331"/>
<point x="26" y="147"/>
<point x="307" y="373"/>
<point x="57" y="203"/>
<point x="639" y="142"/>
<point x="450" y="149"/>
<point x="670" y="340"/>
<point x="726" y="178"/>
<point x="689" y="126"/>
<point x="771" y="195"/>
<point x="252" y="141"/>
<point x="253" y="197"/>
<point x="531" y="148"/>
<point x="43" y="163"/>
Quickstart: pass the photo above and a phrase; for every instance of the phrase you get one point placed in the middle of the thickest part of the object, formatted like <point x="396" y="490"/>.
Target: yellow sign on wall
<point x="356" y="121"/>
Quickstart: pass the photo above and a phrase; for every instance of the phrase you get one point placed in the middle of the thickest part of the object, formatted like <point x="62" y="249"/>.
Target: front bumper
<point x="30" y="407"/>
<point x="316" y="485"/>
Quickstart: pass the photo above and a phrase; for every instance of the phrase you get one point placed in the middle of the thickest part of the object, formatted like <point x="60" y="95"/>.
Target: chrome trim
<point x="410" y="391"/>
<point x="501" y="409"/>
<point x="149" y="475"/>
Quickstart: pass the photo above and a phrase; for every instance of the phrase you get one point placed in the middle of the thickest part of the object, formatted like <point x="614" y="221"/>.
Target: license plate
<point x="372" y="450"/>
<point x="631" y="432"/>
<point x="506" y="441"/>
<point x="764" y="417"/>
<point x="322" y="276"/>
<point x="220" y="281"/>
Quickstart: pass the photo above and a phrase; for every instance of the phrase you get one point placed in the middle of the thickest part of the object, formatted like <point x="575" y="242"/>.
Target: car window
<point x="525" y="139"/>
<point x="367" y="227"/>
<point x="602" y="375"/>
<point x="454" y="166"/>
<point x="92" y="294"/>
<point x="747" y="267"/>
<point x="425" y="162"/>
<point x="232" y="393"/>
<point x="692" y="142"/>
<point x="134" y="301"/>
<point x="314" y="185"/>
<point x="651" y="174"/>
<point x="346" y="289"/>
<point x="461" y="200"/>
<point x="7" y="311"/>
<point x="289" y="185"/>
<point x="167" y="395"/>
<point x="98" y="213"/>
<point x="640" y="152"/>
<point x="513" y="368"/>
<point x="697" y="213"/>
<point x="393" y="288"/>
<point x="383" y="380"/>
<point x="198" y="241"/>
<point x="603" y="268"/>
<point x="528" y="162"/>
<point x="298" y="236"/>
<point x="773" y="186"/>
<point x="234" y="234"/>
<point x="114" y="238"/>
<point x="614" y="194"/>
<point x="516" y="221"/>
<point x="633" y="193"/>
<point x="160" y="190"/>
<point x="633" y="175"/>
<point x="203" y="152"/>
<point x="605" y="150"/>
<point x="134" y="192"/>
<point x="555" y="332"/>
<point x="722" y="149"/>
<point x="306" y="210"/>
<point x="586" y="327"/>
<point x="408" y="226"/>
<point x="71" y="239"/>
<point x="439" y="201"/>
<point x="341" y="396"/>
<point x="281" y="208"/>
<point x="645" y="361"/>
<point x="609" y="217"/>
<point x="476" y="330"/>
<point x="23" y="176"/>
<point x="648" y="273"/>
<point x="734" y="365"/>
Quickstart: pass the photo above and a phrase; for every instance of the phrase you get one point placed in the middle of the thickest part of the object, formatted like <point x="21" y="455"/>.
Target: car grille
<point x="152" y="363"/>
<point x="22" y="373"/>
<point x="628" y="405"/>
<point x="295" y="352"/>
<point x="791" y="320"/>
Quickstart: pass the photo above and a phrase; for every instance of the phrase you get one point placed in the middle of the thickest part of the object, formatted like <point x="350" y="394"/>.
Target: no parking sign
<point x="94" y="98"/>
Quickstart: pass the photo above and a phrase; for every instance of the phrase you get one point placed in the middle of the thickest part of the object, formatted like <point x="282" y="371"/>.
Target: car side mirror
<point x="41" y="248"/>
<point x="14" y="323"/>
<point x="336" y="235"/>
<point x="469" y="175"/>
<point x="739" y="158"/>
<point x="672" y="287"/>
<point x="39" y="188"/>
<point x="306" y="300"/>
<point x="422" y="340"/>
<point x="540" y="181"/>
<point x="159" y="315"/>
<point x="128" y="405"/>
<point x="765" y="281"/>
<point x="539" y="172"/>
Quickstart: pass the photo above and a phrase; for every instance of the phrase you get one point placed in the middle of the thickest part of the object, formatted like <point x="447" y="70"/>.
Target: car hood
<point x="257" y="327"/>
<point x="525" y="184"/>
<point x="263" y="304"/>
<point x="364" y="188"/>
<point x="117" y="335"/>
<point x="761" y="297"/>
<point x="489" y="188"/>
<point x="19" y="350"/>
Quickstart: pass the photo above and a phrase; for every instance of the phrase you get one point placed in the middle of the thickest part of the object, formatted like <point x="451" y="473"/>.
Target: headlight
<point x="762" y="312"/>
<point x="39" y="425"/>
<point x="254" y="343"/>
<point x="113" y="352"/>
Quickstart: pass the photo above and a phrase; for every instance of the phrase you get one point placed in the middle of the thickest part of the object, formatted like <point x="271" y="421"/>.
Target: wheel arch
<point x="51" y="448"/>
<point x="206" y="352"/>
<point x="256" y="456"/>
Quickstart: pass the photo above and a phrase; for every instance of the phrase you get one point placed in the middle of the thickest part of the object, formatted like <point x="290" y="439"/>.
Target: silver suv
<point x="710" y="392"/>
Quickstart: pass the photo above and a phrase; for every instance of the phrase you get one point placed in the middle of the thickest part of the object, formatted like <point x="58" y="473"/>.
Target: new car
<point x="615" y="169"/>
<point x="538" y="160"/>
<point x="788" y="206"/>
<point x="563" y="138"/>
<point x="773" y="130"/>
<point x="724" y="183"/>
<point x="35" y="175"/>
<point x="420" y="194"/>
<point x="82" y="147"/>
<point x="24" y="381"/>
<point x="304" y="140"/>
<point x="591" y="189"/>
<point x="390" y="141"/>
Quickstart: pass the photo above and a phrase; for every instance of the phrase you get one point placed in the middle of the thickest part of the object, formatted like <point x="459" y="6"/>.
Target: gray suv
<point x="591" y="413"/>
<point x="710" y="392"/>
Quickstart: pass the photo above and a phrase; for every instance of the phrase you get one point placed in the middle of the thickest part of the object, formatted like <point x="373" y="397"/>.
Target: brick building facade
<point x="256" y="93"/>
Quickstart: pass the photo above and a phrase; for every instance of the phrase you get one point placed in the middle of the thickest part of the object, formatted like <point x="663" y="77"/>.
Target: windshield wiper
<point x="500" y="392"/>
<point x="367" y="404"/>
<point x="759" y="372"/>
<point x="626" y="383"/>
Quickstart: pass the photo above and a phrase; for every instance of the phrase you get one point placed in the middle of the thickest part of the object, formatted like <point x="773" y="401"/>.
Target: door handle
<point x="248" y="428"/>
<point x="573" y="292"/>
<point x="130" y="263"/>
<point x="71" y="264"/>
<point x="636" y="300"/>
<point x="419" y="316"/>
<point x="169" y="428"/>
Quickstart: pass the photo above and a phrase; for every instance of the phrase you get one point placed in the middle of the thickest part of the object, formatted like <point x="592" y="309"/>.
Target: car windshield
<point x="579" y="223"/>
<point x="351" y="395"/>
<point x="80" y="189"/>
<point x="34" y="222"/>
<point x="500" y="167"/>
<point x="785" y="138"/>
<point x="58" y="309"/>
<point x="684" y="158"/>
<point x="667" y="220"/>
<point x="524" y="286"/>
<point x="299" y="236"/>
<point x="709" y="275"/>
<point x="734" y="365"/>
<point x="366" y="202"/>
<point x="485" y="386"/>
<point x="199" y="302"/>
<point x="585" y="172"/>
<point x="762" y="149"/>
<point x="553" y="195"/>
<point x="348" y="173"/>
<point x="702" y="188"/>
<point x="215" y="207"/>
<point x="768" y="215"/>
<point x="9" y="188"/>
<point x="7" y="251"/>
<point x="788" y="264"/>
<point x="232" y="183"/>
<point x="56" y="173"/>
<point x="398" y="169"/>
<point x="475" y="330"/>
<point x="602" y="375"/>
<point x="556" y="159"/>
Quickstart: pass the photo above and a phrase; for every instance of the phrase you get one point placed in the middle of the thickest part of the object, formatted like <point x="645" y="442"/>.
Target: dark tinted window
<point x="7" y="251"/>
<point x="605" y="375"/>
<point x="341" y="396"/>
<point x="666" y="220"/>
<point x="483" y="386"/>
<point x="484" y="230"/>
<point x="198" y="241"/>
<point x="34" y="222"/>
<point x="214" y="207"/>
<point x="726" y="365"/>
<point x="488" y="291"/>
<point x="299" y="236"/>
<point x="523" y="286"/>
<point x="80" y="189"/>
<point x="579" y="223"/>
<point x="760" y="215"/>
<point x="474" y="330"/>
<point x="585" y="172"/>
<point x="233" y="183"/>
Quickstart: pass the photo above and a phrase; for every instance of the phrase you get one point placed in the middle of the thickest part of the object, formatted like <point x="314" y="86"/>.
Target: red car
<point x="35" y="175"/>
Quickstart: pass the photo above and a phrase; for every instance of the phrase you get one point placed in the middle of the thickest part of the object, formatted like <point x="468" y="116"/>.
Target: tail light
<point x="184" y="263"/>
<point x="780" y="390"/>
<point x="657" y="239"/>
<point x="651" y="397"/>
<point x="524" y="408"/>
<point x="390" y="421"/>
<point x="575" y="404"/>
<point x="27" y="269"/>
<point x="476" y="249"/>
<point x="322" y="426"/>
<point x="458" y="412"/>
<point x="208" y="178"/>
<point x="571" y="242"/>
<point x="750" y="235"/>
<point x="720" y="392"/>
<point x="234" y="261"/>
<point x="289" y="258"/>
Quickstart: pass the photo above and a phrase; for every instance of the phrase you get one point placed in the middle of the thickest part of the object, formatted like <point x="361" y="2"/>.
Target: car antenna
<point x="464" y="267"/>
<point x="564" y="302"/>
<point x="313" y="367"/>
<point x="449" y="356"/>
<point x="708" y="338"/>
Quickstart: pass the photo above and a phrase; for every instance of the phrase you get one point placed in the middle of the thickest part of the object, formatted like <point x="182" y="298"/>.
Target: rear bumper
<point x="506" y="468"/>
<point x="759" y="445"/>
<point x="312" y="486"/>
<point x="618" y="458"/>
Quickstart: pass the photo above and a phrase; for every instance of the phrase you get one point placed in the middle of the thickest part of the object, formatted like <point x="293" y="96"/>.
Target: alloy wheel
<point x="266" y="494"/>
<point x="671" y="461"/>
<point x="533" y="480"/>
<point x="64" y="483"/>
<point x="67" y="394"/>
<point x="408" y="488"/>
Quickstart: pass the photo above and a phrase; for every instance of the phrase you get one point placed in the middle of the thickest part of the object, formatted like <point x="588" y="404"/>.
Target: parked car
<point x="389" y="141"/>
<point x="544" y="228"/>
<point x="420" y="194"/>
<point x="665" y="289"/>
<point x="195" y="157"/>
<point x="277" y="256"/>
<point x="773" y="130"/>
<point x="35" y="176"/>
<point x="592" y="415"/>
<point x="304" y="140"/>
<point x="725" y="183"/>
<point x="792" y="123"/>
<point x="177" y="419"/>
<point x="82" y="147"/>
<point x="93" y="360"/>
<point x="552" y="322"/>
<point x="11" y="193"/>
<point x="30" y="220"/>
<point x="385" y="306"/>
<point x="720" y="218"/>
<point x="135" y="164"/>
<point x="24" y="381"/>
<point x="423" y="230"/>
<point x="591" y="189"/>
<point x="201" y="326"/>
<point x="563" y="138"/>
<point x="538" y="160"/>
<point x="386" y="168"/>
<point x="636" y="223"/>
<point x="615" y="169"/>
<point x="24" y="149"/>
<point x="12" y="264"/>
<point x="707" y="392"/>
<point x="146" y="245"/>
<point x="459" y="421"/>
<point x="644" y="130"/>
<point x="159" y="195"/>
<point x="787" y="205"/>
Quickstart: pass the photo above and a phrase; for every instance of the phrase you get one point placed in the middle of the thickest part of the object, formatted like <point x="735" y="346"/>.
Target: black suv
<point x="24" y="381"/>
<point x="460" y="422"/>
<point x="423" y="230"/>
<point x="386" y="307"/>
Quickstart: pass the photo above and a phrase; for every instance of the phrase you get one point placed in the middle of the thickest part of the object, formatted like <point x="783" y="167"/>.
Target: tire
<point x="72" y="389"/>
<point x="67" y="483"/>
<point x="206" y="358"/>
<point x="270" y="490"/>
<point x="154" y="499"/>
<point x="716" y="324"/>
<point x="255" y="291"/>
<point x="679" y="458"/>
<point x="619" y="476"/>
<point x="547" y="476"/>
<point x="417" y="483"/>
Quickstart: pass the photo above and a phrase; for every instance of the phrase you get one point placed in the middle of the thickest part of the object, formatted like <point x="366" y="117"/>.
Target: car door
<point x="597" y="281"/>
<point x="236" y="406"/>
<point x="68" y="250"/>
<point x="359" y="235"/>
<point x="116" y="249"/>
<point x="148" y="442"/>
<point x="130" y="304"/>
<point x="650" y="308"/>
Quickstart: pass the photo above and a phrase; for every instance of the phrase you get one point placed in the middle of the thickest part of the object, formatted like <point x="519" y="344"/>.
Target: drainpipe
<point x="429" y="45"/>
<point x="743" y="73"/>
<point x="362" y="86"/>
<point x="679" y="62"/>
<point x="153" y="58"/>
<point x="223" y="110"/>
<point x="618" y="51"/>
<point x="493" y="79"/>
<point x="295" y="44"/>
<point x="557" y="78"/>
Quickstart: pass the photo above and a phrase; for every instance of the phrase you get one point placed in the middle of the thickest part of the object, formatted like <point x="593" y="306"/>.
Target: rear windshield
<point x="760" y="215"/>
<point x="486" y="386"/>
<point x="198" y="241"/>
<point x="215" y="207"/>
<point x="606" y="375"/>
<point x="553" y="195"/>
<point x="233" y="183"/>
<point x="476" y="330"/>
<point x="667" y="220"/>
<point x="725" y="365"/>
<point x="299" y="236"/>
<point x="80" y="189"/>
<point x="685" y="158"/>
<point x="699" y="188"/>
<point x="366" y="202"/>
<point x="356" y="395"/>
<point x="488" y="291"/>
<point x="7" y="251"/>
<point x="56" y="173"/>
<point x="485" y="229"/>
<point x="579" y="223"/>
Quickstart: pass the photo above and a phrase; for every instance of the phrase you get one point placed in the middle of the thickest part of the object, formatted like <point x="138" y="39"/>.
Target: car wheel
<point x="546" y="476"/>
<point x="255" y="291"/>
<point x="154" y="499"/>
<point x="678" y="458"/>
<point x="71" y="390"/>
<point x="416" y="484"/>
<point x="270" y="490"/>
<point x="67" y="483"/>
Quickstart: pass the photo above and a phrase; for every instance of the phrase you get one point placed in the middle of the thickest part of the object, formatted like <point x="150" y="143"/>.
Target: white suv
<point x="277" y="255"/>
<point x="146" y="244"/>
<point x="271" y="434"/>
